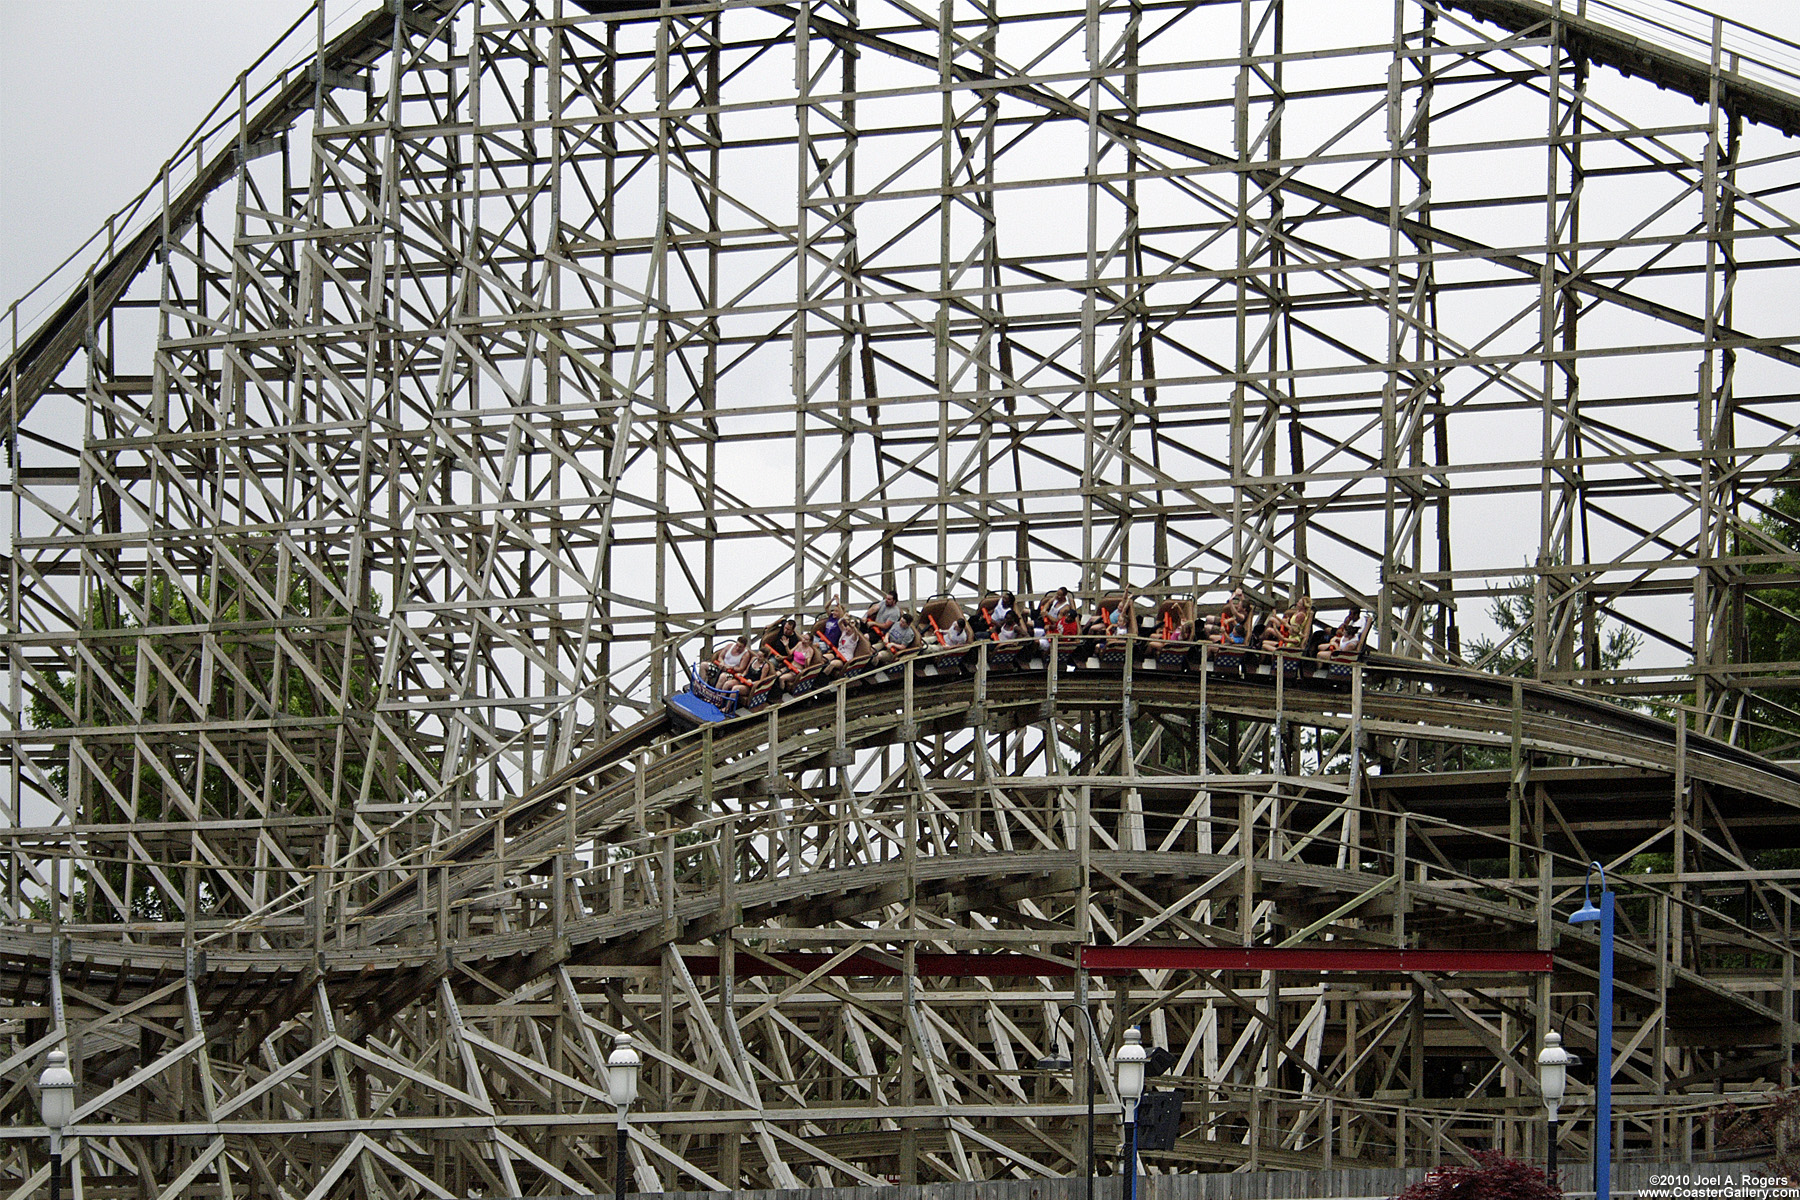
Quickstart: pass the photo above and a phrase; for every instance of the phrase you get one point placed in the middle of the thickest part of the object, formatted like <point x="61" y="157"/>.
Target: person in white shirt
<point x="733" y="655"/>
<point x="957" y="634"/>
<point x="851" y="643"/>
<point x="733" y="661"/>
<point x="1347" y="641"/>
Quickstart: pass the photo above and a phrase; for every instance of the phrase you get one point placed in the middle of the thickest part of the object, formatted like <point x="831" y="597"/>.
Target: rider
<point x="733" y="661"/>
<point x="1347" y="639"/>
<point x="1234" y="621"/>
<point x="900" y="640"/>
<point x="883" y="613"/>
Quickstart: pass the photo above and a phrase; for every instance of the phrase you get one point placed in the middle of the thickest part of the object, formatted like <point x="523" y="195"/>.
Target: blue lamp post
<point x="1603" y="1084"/>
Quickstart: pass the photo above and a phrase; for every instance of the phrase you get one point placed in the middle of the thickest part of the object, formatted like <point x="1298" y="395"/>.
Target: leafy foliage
<point x="156" y="633"/>
<point x="1514" y="651"/>
<point x="1495" y="1177"/>
<point x="1772" y="1130"/>
<point x="1771" y="632"/>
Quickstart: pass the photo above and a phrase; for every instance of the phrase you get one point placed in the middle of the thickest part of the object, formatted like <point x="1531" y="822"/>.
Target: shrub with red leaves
<point x="1496" y="1177"/>
<point x="1771" y="1131"/>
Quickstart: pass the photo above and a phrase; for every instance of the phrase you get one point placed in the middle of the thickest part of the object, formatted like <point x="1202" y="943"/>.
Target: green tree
<point x="246" y="635"/>
<point x="1514" y="651"/>
<point x="1771" y="617"/>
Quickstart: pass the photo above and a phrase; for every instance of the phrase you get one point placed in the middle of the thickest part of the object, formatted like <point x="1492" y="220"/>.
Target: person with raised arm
<point x="833" y="624"/>
<point x="1234" y="620"/>
<point x="853" y="645"/>
<point x="780" y="641"/>
<point x="1287" y="632"/>
<point x="803" y="663"/>
<point x="1172" y="626"/>
<point x="1123" y="622"/>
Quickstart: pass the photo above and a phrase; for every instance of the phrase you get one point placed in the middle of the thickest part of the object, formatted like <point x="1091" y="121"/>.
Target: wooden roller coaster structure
<point x="379" y="475"/>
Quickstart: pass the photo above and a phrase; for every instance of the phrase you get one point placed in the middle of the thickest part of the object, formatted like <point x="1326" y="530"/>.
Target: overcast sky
<point x="95" y="94"/>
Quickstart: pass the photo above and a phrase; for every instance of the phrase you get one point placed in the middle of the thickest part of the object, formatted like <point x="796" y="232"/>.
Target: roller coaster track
<point x="375" y="969"/>
<point x="338" y="848"/>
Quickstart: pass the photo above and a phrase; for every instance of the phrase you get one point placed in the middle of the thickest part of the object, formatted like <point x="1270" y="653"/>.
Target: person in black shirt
<point x="981" y="625"/>
<point x="781" y="643"/>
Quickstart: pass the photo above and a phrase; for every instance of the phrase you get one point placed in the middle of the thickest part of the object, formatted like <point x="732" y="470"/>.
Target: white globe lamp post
<point x="57" y="1089"/>
<point x="622" y="1085"/>
<point x="1130" y="1067"/>
<point x="1553" y="1080"/>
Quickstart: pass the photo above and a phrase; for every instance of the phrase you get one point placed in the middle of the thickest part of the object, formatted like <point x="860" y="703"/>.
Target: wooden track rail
<point x="710" y="876"/>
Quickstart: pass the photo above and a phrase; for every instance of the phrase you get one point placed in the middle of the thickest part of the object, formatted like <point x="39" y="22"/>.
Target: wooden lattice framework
<point x="397" y="452"/>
